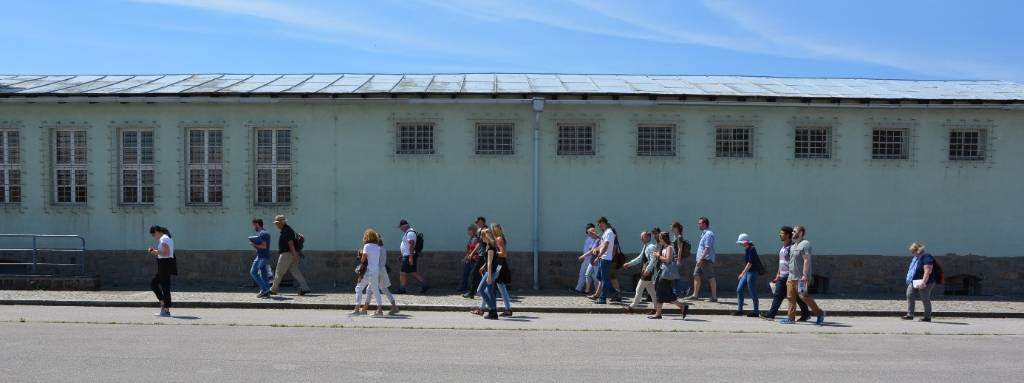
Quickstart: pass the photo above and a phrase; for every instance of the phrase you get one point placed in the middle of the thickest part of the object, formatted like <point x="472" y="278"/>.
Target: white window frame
<point x="419" y="143"/>
<point x="491" y="140"/>
<point x="880" y="150"/>
<point x="980" y="148"/>
<point x="809" y="145"/>
<point x="207" y="164"/>
<point x="576" y="139"/>
<point x="657" y="145"/>
<point x="726" y="144"/>
<point x="76" y="166"/>
<point x="10" y="163"/>
<point x="139" y="168"/>
<point x="276" y="164"/>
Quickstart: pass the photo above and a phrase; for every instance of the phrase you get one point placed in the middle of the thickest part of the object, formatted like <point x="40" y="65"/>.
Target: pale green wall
<point x="348" y="178"/>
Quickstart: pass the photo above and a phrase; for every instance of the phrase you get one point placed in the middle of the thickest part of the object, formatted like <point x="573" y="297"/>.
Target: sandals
<point x="476" y="312"/>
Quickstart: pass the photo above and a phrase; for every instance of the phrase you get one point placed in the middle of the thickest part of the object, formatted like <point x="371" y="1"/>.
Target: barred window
<point x="415" y="138"/>
<point x="813" y="142"/>
<point x="205" y="166"/>
<point x="495" y="138"/>
<point x="575" y="139"/>
<point x="734" y="141"/>
<point x="966" y="145"/>
<point x="889" y="144"/>
<point x="656" y="140"/>
<point x="273" y="166"/>
<point x="70" y="172"/>
<point x="136" y="167"/>
<point x="10" y="167"/>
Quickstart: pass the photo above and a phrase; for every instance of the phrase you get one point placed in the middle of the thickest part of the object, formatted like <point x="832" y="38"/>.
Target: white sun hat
<point x="743" y="239"/>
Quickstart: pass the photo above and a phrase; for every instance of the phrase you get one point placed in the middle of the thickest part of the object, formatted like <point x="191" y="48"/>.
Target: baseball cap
<point x="743" y="239"/>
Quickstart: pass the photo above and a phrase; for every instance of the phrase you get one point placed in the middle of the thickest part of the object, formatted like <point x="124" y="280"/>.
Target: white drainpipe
<point x="538" y="108"/>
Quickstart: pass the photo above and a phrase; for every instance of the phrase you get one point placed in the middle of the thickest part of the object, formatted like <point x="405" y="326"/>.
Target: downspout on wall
<point x="538" y="108"/>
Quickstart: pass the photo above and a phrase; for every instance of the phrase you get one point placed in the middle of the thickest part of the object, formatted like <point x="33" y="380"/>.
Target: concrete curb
<point x="609" y="309"/>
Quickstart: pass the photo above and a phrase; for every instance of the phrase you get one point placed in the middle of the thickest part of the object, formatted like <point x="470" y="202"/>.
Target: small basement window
<point x="819" y="285"/>
<point x="963" y="285"/>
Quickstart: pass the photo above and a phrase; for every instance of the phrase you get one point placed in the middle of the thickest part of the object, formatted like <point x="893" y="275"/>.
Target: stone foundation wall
<point x="836" y="274"/>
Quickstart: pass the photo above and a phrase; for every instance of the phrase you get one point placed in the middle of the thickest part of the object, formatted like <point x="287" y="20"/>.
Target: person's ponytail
<point x="156" y="228"/>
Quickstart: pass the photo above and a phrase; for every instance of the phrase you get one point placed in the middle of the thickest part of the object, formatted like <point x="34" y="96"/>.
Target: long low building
<point x="869" y="166"/>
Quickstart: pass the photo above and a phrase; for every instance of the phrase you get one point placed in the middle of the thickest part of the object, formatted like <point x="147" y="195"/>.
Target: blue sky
<point x="866" y="38"/>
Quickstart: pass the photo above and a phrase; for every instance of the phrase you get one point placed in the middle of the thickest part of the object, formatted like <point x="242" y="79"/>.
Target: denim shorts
<point x="409" y="268"/>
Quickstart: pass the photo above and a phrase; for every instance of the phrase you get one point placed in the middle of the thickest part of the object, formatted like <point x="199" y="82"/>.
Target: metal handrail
<point x="35" y="250"/>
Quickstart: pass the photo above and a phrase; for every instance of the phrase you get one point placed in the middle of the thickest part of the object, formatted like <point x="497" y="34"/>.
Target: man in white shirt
<point x="409" y="259"/>
<point x="606" y="250"/>
<point x="705" y="261"/>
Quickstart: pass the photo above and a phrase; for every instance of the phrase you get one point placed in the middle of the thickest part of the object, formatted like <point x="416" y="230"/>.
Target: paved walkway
<point x="523" y="301"/>
<point x="126" y="344"/>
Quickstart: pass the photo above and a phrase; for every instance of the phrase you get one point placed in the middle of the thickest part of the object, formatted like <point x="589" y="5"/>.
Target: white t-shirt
<point x="609" y="238"/>
<point x="373" y="253"/>
<point x="166" y="240"/>
<point x="410" y="235"/>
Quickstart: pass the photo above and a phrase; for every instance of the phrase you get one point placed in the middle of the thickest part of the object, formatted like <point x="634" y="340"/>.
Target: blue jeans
<point x="489" y="298"/>
<point x="487" y="293"/>
<point x="606" y="280"/>
<point x="747" y="283"/>
<point x="259" y="273"/>
<point x="467" y="270"/>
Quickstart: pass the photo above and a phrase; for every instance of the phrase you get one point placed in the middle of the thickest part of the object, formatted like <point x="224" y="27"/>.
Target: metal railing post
<point x="35" y="253"/>
<point x="82" y="260"/>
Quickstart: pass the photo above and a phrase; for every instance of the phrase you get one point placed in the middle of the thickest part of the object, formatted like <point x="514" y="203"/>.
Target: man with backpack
<point x="412" y="248"/>
<point x="290" y="247"/>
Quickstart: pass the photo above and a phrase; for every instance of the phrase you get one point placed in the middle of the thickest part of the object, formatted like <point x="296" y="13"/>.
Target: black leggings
<point x="161" y="282"/>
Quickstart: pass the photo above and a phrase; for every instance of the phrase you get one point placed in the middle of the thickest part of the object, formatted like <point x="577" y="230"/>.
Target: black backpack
<point x="300" y="241"/>
<point x="419" y="242"/>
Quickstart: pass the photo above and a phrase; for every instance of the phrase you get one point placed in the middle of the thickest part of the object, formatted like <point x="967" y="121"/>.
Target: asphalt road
<point x="76" y="344"/>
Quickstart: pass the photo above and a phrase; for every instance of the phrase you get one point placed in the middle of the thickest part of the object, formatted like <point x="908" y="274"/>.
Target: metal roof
<point x="504" y="83"/>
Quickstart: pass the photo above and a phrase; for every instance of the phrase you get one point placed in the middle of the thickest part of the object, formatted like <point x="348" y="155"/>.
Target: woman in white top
<point x="166" y="266"/>
<point x="369" y="256"/>
<point x="385" y="280"/>
<point x="669" y="265"/>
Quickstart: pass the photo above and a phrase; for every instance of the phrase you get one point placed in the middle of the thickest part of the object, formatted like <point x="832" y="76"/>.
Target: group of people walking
<point x="486" y="266"/>
<point x="663" y="255"/>
<point x="486" y="269"/>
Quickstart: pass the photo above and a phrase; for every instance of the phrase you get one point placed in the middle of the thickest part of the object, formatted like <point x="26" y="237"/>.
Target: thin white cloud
<point x="341" y="25"/>
<point x="908" y="60"/>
